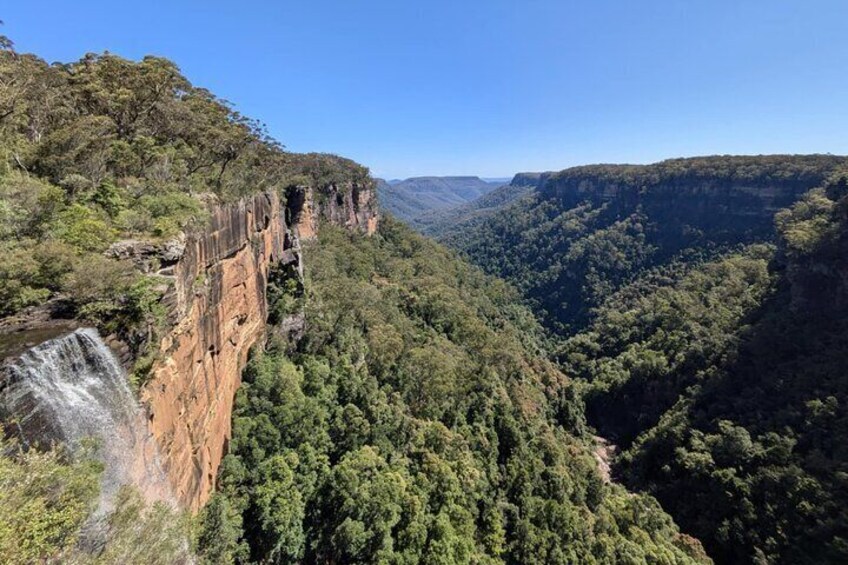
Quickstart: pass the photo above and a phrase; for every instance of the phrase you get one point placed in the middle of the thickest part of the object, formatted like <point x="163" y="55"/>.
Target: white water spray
<point x="72" y="388"/>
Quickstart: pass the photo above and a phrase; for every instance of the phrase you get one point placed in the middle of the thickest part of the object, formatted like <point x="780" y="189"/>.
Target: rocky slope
<point x="217" y="307"/>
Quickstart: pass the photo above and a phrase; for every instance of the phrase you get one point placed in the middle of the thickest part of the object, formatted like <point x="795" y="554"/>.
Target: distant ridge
<point x="440" y="223"/>
<point x="415" y="196"/>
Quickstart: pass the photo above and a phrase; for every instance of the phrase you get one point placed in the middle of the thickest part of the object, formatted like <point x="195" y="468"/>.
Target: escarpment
<point x="217" y="312"/>
<point x="719" y="196"/>
<point x="588" y="231"/>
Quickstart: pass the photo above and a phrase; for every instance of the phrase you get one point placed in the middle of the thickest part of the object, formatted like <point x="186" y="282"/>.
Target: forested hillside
<point x="410" y="198"/>
<point x="417" y="421"/>
<point x="587" y="231"/>
<point x="105" y="148"/>
<point x="440" y="223"/>
<point x="725" y="383"/>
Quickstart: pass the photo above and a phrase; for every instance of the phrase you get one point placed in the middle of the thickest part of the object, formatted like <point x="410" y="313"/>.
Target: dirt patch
<point x="604" y="452"/>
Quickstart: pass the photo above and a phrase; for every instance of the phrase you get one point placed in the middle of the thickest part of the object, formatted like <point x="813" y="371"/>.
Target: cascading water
<point x="72" y="388"/>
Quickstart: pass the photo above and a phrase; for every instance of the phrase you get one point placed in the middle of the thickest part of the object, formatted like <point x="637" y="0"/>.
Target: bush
<point x="97" y="287"/>
<point x="44" y="501"/>
<point x="19" y="276"/>
<point x="83" y="229"/>
<point x="138" y="532"/>
<point x="171" y="212"/>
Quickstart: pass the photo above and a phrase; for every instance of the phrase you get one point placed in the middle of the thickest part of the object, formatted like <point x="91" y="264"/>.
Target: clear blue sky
<point x="491" y="87"/>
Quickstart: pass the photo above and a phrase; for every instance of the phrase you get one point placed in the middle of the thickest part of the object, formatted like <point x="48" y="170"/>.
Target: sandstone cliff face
<point x="218" y="312"/>
<point x="536" y="180"/>
<point x="352" y="205"/>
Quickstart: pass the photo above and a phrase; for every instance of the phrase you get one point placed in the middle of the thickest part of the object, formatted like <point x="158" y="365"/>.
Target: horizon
<point x="606" y="163"/>
<point x="445" y="90"/>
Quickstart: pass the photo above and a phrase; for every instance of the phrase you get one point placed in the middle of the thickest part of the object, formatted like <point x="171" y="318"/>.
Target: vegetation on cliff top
<point x="105" y="148"/>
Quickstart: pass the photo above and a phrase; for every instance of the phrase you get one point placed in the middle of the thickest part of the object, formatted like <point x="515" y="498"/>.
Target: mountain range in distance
<point x="436" y="204"/>
<point x="409" y="198"/>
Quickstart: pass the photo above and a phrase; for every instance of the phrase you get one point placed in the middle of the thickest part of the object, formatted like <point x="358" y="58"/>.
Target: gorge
<point x="240" y="331"/>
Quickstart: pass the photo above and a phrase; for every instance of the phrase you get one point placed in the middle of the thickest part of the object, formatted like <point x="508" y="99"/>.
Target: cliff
<point x="217" y="307"/>
<point x="720" y="195"/>
<point x="535" y="180"/>
<point x="813" y="245"/>
<point x="586" y="231"/>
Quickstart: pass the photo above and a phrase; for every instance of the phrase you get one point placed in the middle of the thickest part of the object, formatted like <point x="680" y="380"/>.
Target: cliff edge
<point x="217" y="311"/>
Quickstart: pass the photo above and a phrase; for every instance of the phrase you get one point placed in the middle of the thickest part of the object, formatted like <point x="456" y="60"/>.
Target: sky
<point x="491" y="87"/>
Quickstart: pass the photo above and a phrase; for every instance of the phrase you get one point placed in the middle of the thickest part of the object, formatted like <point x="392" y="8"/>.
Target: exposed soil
<point x="604" y="453"/>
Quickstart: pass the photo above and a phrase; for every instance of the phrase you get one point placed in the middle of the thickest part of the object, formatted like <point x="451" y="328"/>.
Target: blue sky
<point x="491" y="87"/>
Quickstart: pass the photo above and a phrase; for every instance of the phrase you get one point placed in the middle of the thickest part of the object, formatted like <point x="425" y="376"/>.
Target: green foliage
<point x="322" y="170"/>
<point x="284" y="294"/>
<point x="19" y="279"/>
<point x="47" y="497"/>
<point x="660" y="335"/>
<point x="44" y="500"/>
<point x="807" y="224"/>
<point x="725" y="382"/>
<point x="106" y="148"/>
<point x="138" y="532"/>
<point x="589" y="231"/>
<point x="418" y="422"/>
<point x="220" y="528"/>
<point x="83" y="229"/>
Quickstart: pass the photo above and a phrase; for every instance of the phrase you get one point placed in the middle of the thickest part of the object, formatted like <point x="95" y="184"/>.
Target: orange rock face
<point x="218" y="309"/>
<point x="351" y="206"/>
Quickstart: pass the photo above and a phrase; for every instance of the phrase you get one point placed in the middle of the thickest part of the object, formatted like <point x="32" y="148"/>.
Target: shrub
<point x="83" y="228"/>
<point x="19" y="273"/>
<point x="97" y="288"/>
<point x="44" y="501"/>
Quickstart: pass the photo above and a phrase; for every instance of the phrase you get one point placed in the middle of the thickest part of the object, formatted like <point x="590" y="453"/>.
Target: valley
<point x="412" y="198"/>
<point x="217" y="350"/>
<point x="685" y="303"/>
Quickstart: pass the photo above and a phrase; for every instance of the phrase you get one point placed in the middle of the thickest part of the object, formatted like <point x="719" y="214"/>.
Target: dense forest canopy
<point x="417" y="421"/>
<point x="705" y="334"/>
<point x="726" y="383"/>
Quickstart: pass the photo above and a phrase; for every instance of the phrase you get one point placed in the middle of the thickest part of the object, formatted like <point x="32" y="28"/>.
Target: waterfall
<point x="72" y="388"/>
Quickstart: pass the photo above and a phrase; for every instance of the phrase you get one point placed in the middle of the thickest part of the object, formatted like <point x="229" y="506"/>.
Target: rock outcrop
<point x="218" y="311"/>
<point x="536" y="180"/>
<point x="352" y="206"/>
